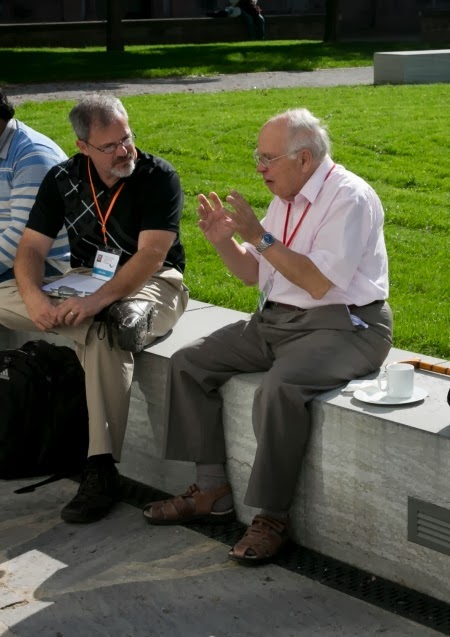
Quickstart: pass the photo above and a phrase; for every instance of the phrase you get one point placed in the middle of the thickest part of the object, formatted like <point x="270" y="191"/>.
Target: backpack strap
<point x="32" y="487"/>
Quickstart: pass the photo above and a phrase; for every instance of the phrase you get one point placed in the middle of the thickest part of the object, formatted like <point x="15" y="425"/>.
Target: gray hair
<point x="305" y="131"/>
<point x="99" y="109"/>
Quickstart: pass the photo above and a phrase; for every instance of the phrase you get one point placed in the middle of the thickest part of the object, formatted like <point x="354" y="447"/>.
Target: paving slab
<point x="121" y="577"/>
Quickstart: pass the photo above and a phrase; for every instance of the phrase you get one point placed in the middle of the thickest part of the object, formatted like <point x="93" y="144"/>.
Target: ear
<point x="305" y="157"/>
<point x="82" y="147"/>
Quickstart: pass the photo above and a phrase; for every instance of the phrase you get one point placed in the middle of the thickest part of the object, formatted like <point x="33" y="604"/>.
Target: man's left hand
<point x="72" y="312"/>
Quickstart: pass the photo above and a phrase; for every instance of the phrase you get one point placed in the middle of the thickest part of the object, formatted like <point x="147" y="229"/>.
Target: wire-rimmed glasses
<point x="266" y="161"/>
<point x="109" y="149"/>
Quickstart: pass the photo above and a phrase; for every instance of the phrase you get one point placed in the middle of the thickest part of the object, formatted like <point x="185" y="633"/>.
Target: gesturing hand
<point x="244" y="220"/>
<point x="219" y="223"/>
<point x="215" y="221"/>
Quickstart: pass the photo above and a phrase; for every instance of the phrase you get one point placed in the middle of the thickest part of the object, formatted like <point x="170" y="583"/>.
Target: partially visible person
<point x="249" y="11"/>
<point x="319" y="260"/>
<point x="25" y="158"/>
<point x="252" y="15"/>
<point x="122" y="209"/>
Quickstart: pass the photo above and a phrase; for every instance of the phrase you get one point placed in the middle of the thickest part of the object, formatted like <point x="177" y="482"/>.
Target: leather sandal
<point x="193" y="505"/>
<point x="261" y="542"/>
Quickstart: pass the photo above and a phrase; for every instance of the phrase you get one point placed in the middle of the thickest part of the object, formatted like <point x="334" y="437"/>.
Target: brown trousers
<point x="304" y="353"/>
<point x="109" y="371"/>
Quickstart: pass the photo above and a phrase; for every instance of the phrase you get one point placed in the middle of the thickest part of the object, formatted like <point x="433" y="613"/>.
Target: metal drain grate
<point x="326" y="570"/>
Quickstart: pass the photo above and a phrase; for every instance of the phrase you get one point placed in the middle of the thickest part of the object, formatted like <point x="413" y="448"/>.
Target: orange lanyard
<point x="300" y="221"/>
<point x="103" y="218"/>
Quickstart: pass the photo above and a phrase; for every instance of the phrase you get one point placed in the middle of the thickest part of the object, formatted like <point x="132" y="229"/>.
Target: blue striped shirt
<point x="25" y="158"/>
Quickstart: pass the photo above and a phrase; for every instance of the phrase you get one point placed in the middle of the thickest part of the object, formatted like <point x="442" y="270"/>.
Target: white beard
<point x="124" y="168"/>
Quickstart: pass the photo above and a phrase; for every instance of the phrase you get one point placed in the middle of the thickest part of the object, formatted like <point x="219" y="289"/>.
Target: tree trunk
<point x="331" y="20"/>
<point x="114" y="26"/>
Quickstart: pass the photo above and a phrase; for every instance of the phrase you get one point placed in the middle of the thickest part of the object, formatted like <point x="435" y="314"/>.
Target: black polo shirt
<point x="151" y="199"/>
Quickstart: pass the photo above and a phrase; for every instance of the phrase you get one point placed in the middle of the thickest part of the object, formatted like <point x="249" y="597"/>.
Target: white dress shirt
<point x="342" y="234"/>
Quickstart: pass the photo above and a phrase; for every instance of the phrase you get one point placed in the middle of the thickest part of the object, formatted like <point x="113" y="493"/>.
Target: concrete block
<point x="353" y="494"/>
<point x="412" y="67"/>
<point x="363" y="462"/>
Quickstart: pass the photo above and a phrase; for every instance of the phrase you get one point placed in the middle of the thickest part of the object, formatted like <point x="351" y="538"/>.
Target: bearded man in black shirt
<point x="121" y="207"/>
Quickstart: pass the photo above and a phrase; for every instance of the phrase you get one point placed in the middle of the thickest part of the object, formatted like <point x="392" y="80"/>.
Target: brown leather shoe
<point x="263" y="539"/>
<point x="193" y="505"/>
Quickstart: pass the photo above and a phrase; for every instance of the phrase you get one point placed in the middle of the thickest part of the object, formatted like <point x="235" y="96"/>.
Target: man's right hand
<point x="42" y="310"/>
<point x="215" y="221"/>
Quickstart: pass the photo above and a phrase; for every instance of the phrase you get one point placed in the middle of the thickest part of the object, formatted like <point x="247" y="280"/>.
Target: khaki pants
<point x="109" y="372"/>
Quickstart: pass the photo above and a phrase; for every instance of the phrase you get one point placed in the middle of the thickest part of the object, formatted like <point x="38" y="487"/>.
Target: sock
<point x="212" y="476"/>
<point x="281" y="516"/>
<point x="101" y="460"/>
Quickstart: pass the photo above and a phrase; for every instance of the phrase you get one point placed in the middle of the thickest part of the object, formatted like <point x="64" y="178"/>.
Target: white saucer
<point x="375" y="396"/>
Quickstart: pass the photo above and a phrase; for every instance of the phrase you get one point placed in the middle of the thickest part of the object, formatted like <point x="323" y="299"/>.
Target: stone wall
<point x="170" y="31"/>
<point x="65" y="10"/>
<point x="435" y="26"/>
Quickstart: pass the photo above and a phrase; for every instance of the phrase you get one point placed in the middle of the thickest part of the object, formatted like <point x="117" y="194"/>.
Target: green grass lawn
<point x="57" y="65"/>
<point x="397" y="138"/>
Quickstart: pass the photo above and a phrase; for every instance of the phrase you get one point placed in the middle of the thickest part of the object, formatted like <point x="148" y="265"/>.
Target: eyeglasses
<point x="266" y="161"/>
<point x="109" y="149"/>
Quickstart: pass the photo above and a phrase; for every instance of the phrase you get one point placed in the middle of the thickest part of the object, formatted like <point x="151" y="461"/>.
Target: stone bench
<point x="366" y="472"/>
<point x="362" y="465"/>
<point x="412" y="67"/>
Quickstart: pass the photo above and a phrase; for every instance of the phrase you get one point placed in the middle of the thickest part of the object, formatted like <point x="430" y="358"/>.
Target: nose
<point x="121" y="149"/>
<point x="260" y="167"/>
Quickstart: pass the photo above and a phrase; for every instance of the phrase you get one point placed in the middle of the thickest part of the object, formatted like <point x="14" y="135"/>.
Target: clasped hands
<point x="220" y="224"/>
<point x="48" y="313"/>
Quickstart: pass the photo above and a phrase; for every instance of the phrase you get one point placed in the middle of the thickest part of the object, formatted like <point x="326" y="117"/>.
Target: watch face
<point x="267" y="240"/>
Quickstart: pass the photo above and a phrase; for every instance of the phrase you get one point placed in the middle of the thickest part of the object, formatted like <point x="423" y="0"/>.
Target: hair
<point x="6" y="108"/>
<point x="305" y="131"/>
<point x="98" y="109"/>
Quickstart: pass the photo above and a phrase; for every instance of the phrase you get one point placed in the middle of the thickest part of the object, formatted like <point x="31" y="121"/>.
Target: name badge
<point x="264" y="293"/>
<point x="106" y="262"/>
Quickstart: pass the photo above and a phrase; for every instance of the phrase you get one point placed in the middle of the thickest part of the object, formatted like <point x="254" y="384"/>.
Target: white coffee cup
<point x="397" y="380"/>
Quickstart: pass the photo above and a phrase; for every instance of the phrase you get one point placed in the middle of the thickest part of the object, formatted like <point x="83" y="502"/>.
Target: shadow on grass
<point x="53" y="65"/>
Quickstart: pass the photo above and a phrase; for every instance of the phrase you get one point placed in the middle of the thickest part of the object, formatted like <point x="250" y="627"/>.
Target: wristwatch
<point x="267" y="240"/>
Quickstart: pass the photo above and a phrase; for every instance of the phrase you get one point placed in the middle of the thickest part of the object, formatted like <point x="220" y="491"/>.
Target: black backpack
<point x="43" y="411"/>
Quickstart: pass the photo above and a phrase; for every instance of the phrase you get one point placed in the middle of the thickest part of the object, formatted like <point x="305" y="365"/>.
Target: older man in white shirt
<point x="320" y="261"/>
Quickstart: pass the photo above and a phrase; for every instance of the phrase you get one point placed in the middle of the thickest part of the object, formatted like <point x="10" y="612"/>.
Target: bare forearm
<point x="29" y="267"/>
<point x="298" y="269"/>
<point x="240" y="262"/>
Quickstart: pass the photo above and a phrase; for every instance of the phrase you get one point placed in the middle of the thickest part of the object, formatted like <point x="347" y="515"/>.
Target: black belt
<point x="295" y="308"/>
<point x="285" y="306"/>
<point x="352" y="308"/>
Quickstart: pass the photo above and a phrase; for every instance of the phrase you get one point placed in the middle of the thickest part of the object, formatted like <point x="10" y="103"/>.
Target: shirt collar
<point x="314" y="184"/>
<point x="6" y="138"/>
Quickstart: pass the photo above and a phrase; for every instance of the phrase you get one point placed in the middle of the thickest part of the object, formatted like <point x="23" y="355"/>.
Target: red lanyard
<point x="103" y="218"/>
<point x="300" y="221"/>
